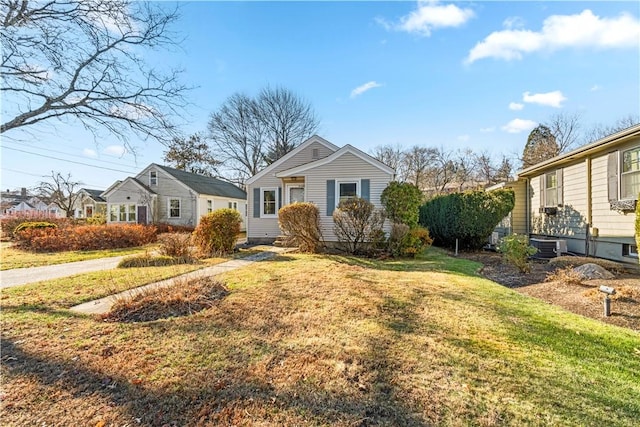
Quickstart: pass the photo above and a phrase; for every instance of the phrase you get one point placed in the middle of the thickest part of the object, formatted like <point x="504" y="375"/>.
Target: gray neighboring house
<point x="90" y="203"/>
<point x="160" y="194"/>
<point x="316" y="171"/>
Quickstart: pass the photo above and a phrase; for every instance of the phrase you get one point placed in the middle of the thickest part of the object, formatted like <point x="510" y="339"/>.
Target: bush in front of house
<point x="97" y="219"/>
<point x="401" y="202"/>
<point x="356" y="223"/>
<point x="217" y="232"/>
<point x="164" y="227"/>
<point x="10" y="223"/>
<point x="176" y="245"/>
<point x="469" y="217"/>
<point x="86" y="238"/>
<point x="516" y="250"/>
<point x="408" y="242"/>
<point x="300" y="222"/>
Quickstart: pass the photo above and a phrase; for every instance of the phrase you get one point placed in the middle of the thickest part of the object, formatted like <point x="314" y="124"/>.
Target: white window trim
<point x="209" y="206"/>
<point x="621" y="173"/>
<point x="546" y="203"/>
<point x="262" y="190"/>
<point x="347" y="181"/>
<point x="169" y="208"/>
<point x="150" y="182"/>
<point x="135" y="212"/>
<point x="288" y="194"/>
<point x="234" y="204"/>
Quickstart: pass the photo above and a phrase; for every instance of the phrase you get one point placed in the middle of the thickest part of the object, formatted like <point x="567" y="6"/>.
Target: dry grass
<point x="313" y="340"/>
<point x="623" y="293"/>
<point x="565" y="276"/>
<point x="148" y="260"/>
<point x="183" y="298"/>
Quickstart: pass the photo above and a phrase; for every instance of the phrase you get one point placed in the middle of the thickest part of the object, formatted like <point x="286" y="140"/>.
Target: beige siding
<point x="519" y="213"/>
<point x="268" y="227"/>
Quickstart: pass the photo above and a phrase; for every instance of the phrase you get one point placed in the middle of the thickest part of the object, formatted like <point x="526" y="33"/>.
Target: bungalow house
<point x="586" y="198"/>
<point x="316" y="171"/>
<point x="89" y="203"/>
<point x="160" y="194"/>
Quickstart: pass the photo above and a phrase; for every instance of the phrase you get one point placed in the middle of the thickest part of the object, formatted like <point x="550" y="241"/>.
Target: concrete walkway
<point x="103" y="305"/>
<point x="23" y="276"/>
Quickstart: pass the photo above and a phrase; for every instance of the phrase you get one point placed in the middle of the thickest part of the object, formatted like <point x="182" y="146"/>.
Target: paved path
<point x="103" y="305"/>
<point x="22" y="276"/>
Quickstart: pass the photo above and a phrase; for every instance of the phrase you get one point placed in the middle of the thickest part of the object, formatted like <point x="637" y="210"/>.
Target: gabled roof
<point x="344" y="150"/>
<point x="311" y="140"/>
<point x="94" y="194"/>
<point x="202" y="184"/>
<point x="119" y="184"/>
<point x="599" y="145"/>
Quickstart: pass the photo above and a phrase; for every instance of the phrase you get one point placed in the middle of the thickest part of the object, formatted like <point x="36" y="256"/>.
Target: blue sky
<point x="446" y="74"/>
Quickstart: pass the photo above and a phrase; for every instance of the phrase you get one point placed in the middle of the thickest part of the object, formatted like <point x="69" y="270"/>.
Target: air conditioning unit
<point x="494" y="238"/>
<point x="548" y="248"/>
<point x="548" y="210"/>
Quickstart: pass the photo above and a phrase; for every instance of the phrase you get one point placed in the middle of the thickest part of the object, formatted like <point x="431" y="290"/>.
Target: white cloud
<point x="513" y="22"/>
<point x="489" y="129"/>
<point x="550" y="99"/>
<point x="363" y="88"/>
<point x="595" y="88"/>
<point x="515" y="106"/>
<point x="428" y="16"/>
<point x="558" y="32"/>
<point x="519" y="125"/>
<point x="464" y="138"/>
<point x="88" y="152"/>
<point x="115" y="150"/>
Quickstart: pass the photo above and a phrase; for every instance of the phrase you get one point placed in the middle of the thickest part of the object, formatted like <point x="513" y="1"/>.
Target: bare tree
<point x="81" y="60"/>
<point x="238" y="136"/>
<point x="504" y="172"/>
<point x="192" y="155"/>
<point x="599" y="130"/>
<point x="390" y="155"/>
<point x="566" y="129"/>
<point x="62" y="191"/>
<point x="415" y="165"/>
<point x="287" y="118"/>
<point x="442" y="170"/>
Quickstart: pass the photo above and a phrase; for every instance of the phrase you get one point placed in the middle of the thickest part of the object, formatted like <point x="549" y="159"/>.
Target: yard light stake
<point x="607" y="291"/>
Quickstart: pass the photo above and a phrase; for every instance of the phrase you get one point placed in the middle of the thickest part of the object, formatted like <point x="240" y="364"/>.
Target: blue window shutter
<point x="279" y="199"/>
<point x="364" y="191"/>
<point x="331" y="196"/>
<point x="256" y="203"/>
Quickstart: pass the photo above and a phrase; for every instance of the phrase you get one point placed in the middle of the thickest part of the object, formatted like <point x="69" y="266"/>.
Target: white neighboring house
<point x="316" y="171"/>
<point x="160" y="194"/>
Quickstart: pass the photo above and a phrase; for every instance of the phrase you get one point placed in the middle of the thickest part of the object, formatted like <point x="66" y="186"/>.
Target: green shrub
<point x="300" y="222"/>
<point x="356" y="221"/>
<point x="516" y="250"/>
<point x="217" y="232"/>
<point x="86" y="238"/>
<point x="638" y="223"/>
<point x="469" y="217"/>
<point x="147" y="260"/>
<point x="408" y="242"/>
<point x="30" y="225"/>
<point x="401" y="201"/>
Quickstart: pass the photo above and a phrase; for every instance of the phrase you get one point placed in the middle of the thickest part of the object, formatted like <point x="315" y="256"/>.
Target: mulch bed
<point x="583" y="299"/>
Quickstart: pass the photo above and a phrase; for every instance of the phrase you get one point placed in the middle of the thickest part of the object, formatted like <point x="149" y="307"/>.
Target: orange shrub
<point x="301" y="223"/>
<point x="9" y="223"/>
<point x="86" y="238"/>
<point x="217" y="232"/>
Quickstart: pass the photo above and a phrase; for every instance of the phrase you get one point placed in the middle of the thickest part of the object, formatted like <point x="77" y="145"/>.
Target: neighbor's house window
<point x="347" y="190"/>
<point x="551" y="189"/>
<point x="88" y="211"/>
<point x="209" y="206"/>
<point x="630" y="174"/>
<point x="153" y="178"/>
<point x="122" y="213"/>
<point x="268" y="201"/>
<point x="174" y="208"/>
<point x="233" y="205"/>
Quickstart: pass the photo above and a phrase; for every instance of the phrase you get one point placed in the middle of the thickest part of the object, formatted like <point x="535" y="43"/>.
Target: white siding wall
<point x="267" y="228"/>
<point x="169" y="188"/>
<point x="221" y="203"/>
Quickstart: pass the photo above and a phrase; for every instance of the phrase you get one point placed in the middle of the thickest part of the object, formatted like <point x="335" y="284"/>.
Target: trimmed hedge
<point x="469" y="217"/>
<point x="217" y="232"/>
<point x="85" y="238"/>
<point x="9" y="223"/>
<point x="401" y="202"/>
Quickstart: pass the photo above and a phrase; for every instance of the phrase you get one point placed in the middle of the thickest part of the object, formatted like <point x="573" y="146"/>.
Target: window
<point x="122" y="213"/>
<point x="88" y="211"/>
<point x="233" y="205"/>
<point x="174" y="208"/>
<point x="630" y="174"/>
<point x="153" y="178"/>
<point x="269" y="202"/>
<point x="347" y="190"/>
<point x="315" y="154"/>
<point x="630" y="250"/>
<point x="551" y="189"/>
<point x="209" y="206"/>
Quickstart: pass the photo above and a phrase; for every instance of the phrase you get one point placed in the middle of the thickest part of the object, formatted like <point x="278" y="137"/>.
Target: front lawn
<point x="16" y="258"/>
<point x="321" y="340"/>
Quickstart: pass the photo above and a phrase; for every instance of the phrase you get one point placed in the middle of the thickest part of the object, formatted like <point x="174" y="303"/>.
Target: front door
<point x="142" y="214"/>
<point x="295" y="193"/>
